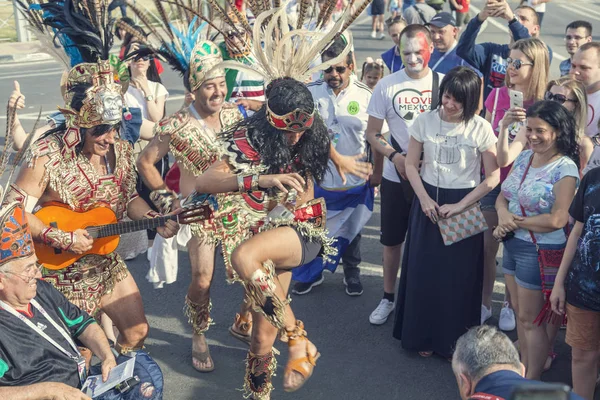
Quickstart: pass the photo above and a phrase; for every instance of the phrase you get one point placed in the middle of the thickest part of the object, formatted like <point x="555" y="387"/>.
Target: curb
<point x="19" y="58"/>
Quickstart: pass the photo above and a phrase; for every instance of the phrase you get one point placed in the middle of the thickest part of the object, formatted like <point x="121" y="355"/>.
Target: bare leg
<point x="490" y="250"/>
<point x="536" y="339"/>
<point x="391" y="265"/>
<point x="202" y="257"/>
<point x="107" y="327"/>
<point x="125" y="308"/>
<point x="282" y="247"/>
<point x="551" y="331"/>
<point x="511" y="287"/>
<point x="584" y="367"/>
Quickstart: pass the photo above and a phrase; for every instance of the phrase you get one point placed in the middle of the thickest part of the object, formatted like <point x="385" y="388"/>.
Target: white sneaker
<point x="373" y="35"/>
<point x="486" y="313"/>
<point x="382" y="312"/>
<point x="381" y="35"/>
<point x="507" y="318"/>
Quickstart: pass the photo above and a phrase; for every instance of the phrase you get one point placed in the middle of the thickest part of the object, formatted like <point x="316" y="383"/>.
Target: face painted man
<point x="398" y="98"/>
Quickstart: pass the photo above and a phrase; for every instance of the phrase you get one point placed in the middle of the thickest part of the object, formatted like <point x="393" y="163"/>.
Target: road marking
<point x="30" y="74"/>
<point x="579" y="9"/>
<point x="503" y="28"/>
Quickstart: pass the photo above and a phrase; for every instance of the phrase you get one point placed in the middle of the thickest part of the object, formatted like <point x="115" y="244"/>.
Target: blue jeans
<point x="151" y="380"/>
<point x="520" y="259"/>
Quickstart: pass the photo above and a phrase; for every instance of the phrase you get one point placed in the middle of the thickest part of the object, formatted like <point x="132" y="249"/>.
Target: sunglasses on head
<point x="339" y="70"/>
<point x="394" y="20"/>
<point x="517" y="64"/>
<point x="559" y="98"/>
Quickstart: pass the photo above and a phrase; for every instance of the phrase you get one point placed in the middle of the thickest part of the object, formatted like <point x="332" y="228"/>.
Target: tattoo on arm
<point x="381" y="139"/>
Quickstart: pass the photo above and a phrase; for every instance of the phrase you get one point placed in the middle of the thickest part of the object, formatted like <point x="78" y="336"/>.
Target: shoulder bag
<point x="549" y="260"/>
<point x="463" y="225"/>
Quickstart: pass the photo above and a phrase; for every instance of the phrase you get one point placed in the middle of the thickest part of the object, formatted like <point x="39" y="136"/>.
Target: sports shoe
<point x="382" y="312"/>
<point x="373" y="35"/>
<point x="305" y="287"/>
<point x="507" y="318"/>
<point x="381" y="36"/>
<point x="486" y="313"/>
<point x="353" y="286"/>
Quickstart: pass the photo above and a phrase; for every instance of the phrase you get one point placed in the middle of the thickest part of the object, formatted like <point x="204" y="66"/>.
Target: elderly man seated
<point x="39" y="357"/>
<point x="487" y="366"/>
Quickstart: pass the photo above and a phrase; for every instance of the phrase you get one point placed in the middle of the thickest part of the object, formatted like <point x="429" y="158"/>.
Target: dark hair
<point x="411" y="31"/>
<point x="371" y="66"/>
<point x="464" y="85"/>
<point x="130" y="38"/>
<point x="79" y="94"/>
<point x="534" y="14"/>
<point x="336" y="48"/>
<point x="308" y="157"/>
<point x="580" y="24"/>
<point x="152" y="73"/>
<point x="562" y="121"/>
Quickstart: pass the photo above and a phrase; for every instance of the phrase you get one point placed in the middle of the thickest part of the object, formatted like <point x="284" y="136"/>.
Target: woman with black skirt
<point x="439" y="297"/>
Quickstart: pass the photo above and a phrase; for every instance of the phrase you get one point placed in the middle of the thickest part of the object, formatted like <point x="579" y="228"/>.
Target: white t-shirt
<point x="452" y="154"/>
<point x="593" y="113"/>
<point x="399" y="100"/>
<point x="539" y="8"/>
<point x="345" y="116"/>
<point x="134" y="97"/>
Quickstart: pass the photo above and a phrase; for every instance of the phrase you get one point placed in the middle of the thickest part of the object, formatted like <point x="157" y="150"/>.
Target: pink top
<point x="502" y="106"/>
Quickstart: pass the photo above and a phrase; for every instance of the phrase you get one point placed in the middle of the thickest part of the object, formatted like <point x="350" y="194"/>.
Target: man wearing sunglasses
<point x="585" y="67"/>
<point x="576" y="34"/>
<point x="342" y="102"/>
<point x="40" y="330"/>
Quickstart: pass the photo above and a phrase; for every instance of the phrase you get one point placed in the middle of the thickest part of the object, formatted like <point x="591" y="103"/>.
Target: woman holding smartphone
<point x="527" y="73"/>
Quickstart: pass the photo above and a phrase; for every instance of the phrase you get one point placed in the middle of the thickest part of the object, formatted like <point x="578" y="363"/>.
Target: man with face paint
<point x="342" y="102"/>
<point x="398" y="99"/>
<point x="490" y="58"/>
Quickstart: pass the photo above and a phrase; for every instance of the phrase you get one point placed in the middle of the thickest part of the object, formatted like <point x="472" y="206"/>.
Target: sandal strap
<point x="297" y="363"/>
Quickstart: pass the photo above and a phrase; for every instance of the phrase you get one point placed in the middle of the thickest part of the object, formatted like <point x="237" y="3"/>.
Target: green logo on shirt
<point x="3" y="367"/>
<point x="353" y="108"/>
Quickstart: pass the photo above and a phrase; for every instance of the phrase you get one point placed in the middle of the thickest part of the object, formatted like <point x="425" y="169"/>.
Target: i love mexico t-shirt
<point x="399" y="100"/>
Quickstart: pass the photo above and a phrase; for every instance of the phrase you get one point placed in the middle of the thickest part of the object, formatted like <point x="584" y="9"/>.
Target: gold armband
<point x="163" y="199"/>
<point x="58" y="239"/>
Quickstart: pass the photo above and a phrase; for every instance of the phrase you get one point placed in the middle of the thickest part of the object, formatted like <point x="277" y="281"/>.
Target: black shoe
<point x="353" y="286"/>
<point x="305" y="287"/>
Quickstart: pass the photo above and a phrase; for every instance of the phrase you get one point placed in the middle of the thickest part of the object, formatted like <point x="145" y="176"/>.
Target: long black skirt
<point x="439" y="296"/>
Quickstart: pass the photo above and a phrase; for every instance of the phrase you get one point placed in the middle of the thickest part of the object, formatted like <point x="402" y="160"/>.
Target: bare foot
<point x="293" y="380"/>
<point x="201" y="358"/>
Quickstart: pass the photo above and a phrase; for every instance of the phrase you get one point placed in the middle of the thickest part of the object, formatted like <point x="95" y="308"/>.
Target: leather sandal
<point x="203" y="357"/>
<point x="241" y="329"/>
<point x="296" y="336"/>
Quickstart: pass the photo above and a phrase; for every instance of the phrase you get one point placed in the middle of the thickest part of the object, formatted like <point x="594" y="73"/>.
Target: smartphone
<point x="516" y="98"/>
<point x="541" y="392"/>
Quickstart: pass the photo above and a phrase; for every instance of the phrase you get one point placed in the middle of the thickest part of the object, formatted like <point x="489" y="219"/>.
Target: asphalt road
<point x="359" y="361"/>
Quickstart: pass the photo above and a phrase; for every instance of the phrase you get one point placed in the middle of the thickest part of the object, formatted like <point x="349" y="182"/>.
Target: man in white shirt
<point x="398" y="99"/>
<point x="342" y="101"/>
<point x="585" y="66"/>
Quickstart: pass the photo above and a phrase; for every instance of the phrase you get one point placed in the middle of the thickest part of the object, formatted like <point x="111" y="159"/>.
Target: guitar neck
<point x="121" y="228"/>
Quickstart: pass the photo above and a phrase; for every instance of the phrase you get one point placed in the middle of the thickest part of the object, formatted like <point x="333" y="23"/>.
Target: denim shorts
<point x="520" y="259"/>
<point x="488" y="202"/>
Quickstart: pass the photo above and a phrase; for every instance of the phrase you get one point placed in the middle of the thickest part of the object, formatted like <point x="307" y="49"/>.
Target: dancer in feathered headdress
<point x="190" y="135"/>
<point x="82" y="164"/>
<point x="264" y="183"/>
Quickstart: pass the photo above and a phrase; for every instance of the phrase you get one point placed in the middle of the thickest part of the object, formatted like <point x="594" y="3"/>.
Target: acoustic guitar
<point x="101" y="223"/>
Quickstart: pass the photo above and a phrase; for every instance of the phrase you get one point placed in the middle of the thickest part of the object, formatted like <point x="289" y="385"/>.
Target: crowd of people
<point x="275" y="159"/>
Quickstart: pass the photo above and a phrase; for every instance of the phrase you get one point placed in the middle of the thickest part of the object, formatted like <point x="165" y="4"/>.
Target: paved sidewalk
<point x="16" y="52"/>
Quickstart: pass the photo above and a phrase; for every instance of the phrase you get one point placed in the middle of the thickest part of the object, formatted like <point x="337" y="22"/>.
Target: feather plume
<point x="11" y="113"/>
<point x="304" y="5"/>
<point x="355" y="15"/>
<point x="163" y="15"/>
<point x="132" y="31"/>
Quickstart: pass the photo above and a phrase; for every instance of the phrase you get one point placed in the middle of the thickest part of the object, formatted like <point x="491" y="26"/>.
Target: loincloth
<point x="86" y="281"/>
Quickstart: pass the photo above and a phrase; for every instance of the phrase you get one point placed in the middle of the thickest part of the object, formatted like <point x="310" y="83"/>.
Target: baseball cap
<point x="442" y="19"/>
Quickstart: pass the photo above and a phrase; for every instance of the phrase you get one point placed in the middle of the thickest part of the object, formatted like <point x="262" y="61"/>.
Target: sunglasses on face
<point x="517" y="64"/>
<point x="559" y="98"/>
<point x="339" y="70"/>
<point x="145" y="58"/>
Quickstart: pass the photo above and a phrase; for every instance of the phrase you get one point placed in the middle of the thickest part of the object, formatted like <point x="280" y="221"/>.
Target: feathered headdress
<point x="181" y="39"/>
<point x="84" y="30"/>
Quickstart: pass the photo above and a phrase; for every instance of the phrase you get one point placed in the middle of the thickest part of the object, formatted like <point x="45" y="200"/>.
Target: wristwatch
<point x="512" y="21"/>
<point x="392" y="154"/>
<point x="149" y="98"/>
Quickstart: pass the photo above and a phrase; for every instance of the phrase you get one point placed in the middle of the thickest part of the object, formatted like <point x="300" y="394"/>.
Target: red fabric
<point x="28" y="313"/>
<point x="172" y="178"/>
<point x="159" y="66"/>
<point x="239" y="4"/>
<point x="465" y="4"/>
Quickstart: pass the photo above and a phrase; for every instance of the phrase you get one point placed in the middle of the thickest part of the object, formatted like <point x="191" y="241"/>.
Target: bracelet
<point x="163" y="199"/>
<point x="151" y="214"/>
<point x="392" y="154"/>
<point x="247" y="183"/>
<point x="57" y="238"/>
<point x="512" y="21"/>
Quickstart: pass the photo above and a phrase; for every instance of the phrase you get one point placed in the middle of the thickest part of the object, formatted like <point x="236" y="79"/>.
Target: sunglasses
<point x="394" y="20"/>
<point x="145" y="58"/>
<point x="517" y="64"/>
<point x="559" y="98"/>
<point x="339" y="70"/>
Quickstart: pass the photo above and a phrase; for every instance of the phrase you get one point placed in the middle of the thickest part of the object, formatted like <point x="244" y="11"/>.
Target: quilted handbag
<point x="468" y="223"/>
